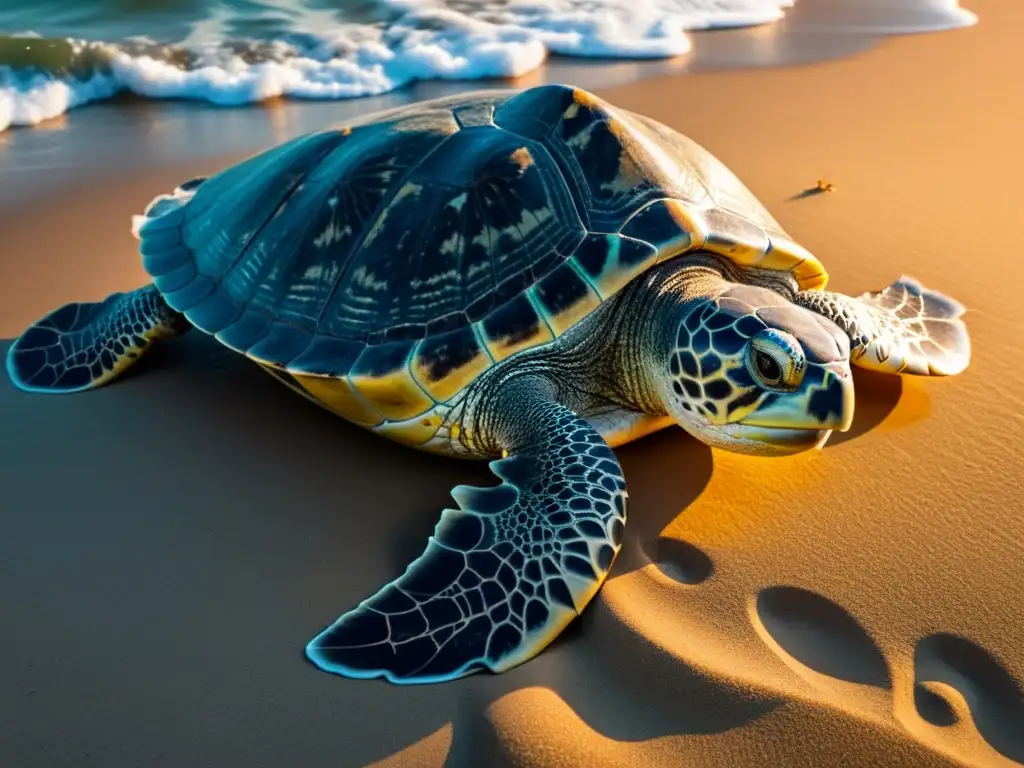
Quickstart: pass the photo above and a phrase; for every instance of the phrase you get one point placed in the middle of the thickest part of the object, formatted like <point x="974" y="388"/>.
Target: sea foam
<point x="418" y="40"/>
<point x="421" y="40"/>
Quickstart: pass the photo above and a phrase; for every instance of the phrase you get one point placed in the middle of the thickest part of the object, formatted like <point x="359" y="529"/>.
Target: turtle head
<point x="751" y="372"/>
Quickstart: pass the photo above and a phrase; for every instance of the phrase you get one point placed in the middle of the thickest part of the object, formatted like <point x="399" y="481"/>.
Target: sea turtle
<point x="533" y="277"/>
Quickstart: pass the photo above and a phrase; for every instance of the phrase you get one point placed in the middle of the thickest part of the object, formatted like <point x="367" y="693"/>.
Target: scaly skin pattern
<point x="904" y="328"/>
<point x="673" y="344"/>
<point x="508" y="569"/>
<point x="84" y="345"/>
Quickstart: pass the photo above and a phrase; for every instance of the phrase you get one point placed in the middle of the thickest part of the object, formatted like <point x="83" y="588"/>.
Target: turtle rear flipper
<point x="505" y="573"/>
<point x="85" y="345"/>
<point x="903" y="328"/>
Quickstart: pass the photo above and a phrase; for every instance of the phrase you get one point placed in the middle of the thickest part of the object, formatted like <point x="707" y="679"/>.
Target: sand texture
<point x="168" y="544"/>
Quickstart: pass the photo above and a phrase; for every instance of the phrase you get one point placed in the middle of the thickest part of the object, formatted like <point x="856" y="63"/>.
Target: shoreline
<point x="36" y="83"/>
<point x="111" y="137"/>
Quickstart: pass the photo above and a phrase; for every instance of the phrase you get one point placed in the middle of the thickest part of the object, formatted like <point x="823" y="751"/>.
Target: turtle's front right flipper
<point x="903" y="328"/>
<point x="505" y="573"/>
<point x="84" y="345"/>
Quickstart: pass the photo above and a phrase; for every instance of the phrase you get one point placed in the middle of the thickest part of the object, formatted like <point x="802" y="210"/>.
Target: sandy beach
<point x="168" y="544"/>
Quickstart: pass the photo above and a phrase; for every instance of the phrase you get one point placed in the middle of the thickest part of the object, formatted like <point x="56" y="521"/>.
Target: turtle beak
<point x="831" y="401"/>
<point x="824" y="402"/>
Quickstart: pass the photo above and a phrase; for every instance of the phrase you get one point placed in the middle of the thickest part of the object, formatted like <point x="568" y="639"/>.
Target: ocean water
<point x="59" y="54"/>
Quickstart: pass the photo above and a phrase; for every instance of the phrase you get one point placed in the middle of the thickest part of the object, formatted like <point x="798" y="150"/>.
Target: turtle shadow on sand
<point x="878" y="395"/>
<point x="821" y="635"/>
<point x="260" y="518"/>
<point x="818" y="634"/>
<point x="211" y="523"/>
<point x="995" y="699"/>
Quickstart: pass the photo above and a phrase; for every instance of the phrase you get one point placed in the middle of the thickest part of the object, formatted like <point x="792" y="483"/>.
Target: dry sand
<point x="169" y="544"/>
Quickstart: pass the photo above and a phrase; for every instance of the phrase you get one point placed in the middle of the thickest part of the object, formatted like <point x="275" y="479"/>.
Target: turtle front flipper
<point x="505" y="573"/>
<point x="904" y="328"/>
<point x="85" y="345"/>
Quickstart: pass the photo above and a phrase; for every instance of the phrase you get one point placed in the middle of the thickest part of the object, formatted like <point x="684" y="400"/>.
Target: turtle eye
<point x="776" y="360"/>
<point x="769" y="370"/>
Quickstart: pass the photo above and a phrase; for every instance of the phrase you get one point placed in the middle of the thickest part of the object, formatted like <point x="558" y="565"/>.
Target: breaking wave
<point x="408" y="40"/>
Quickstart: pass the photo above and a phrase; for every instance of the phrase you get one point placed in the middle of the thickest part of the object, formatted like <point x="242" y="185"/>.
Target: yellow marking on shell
<point x="585" y="98"/>
<point x="810" y="275"/>
<point x="614" y="275"/>
<point x="346" y="131"/>
<point x="630" y="174"/>
<point x="415" y="432"/>
<point x="338" y="396"/>
<point x="689" y="223"/>
<point x="448" y="386"/>
<point x="572" y="314"/>
<point x="581" y="139"/>
<point x="611" y="277"/>
<point x="635" y="430"/>
<point x="739" y="239"/>
<point x="522" y="158"/>
<point x="737" y="251"/>
<point x="788" y="256"/>
<point x="395" y="395"/>
<point x="691" y="231"/>
<point x="784" y="256"/>
<point x="658" y="153"/>
<point x="499" y="349"/>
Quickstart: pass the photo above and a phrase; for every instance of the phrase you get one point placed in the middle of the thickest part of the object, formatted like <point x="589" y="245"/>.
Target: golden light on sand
<point x="430" y="750"/>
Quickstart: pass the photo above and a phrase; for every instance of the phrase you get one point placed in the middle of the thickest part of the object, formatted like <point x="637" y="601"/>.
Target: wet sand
<point x="170" y="543"/>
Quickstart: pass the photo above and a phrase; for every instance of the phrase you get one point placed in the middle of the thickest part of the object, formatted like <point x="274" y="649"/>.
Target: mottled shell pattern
<point x="380" y="267"/>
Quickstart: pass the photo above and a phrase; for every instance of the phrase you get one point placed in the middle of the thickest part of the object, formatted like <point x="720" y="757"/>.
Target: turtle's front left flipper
<point x="84" y="345"/>
<point x="904" y="328"/>
<point x="505" y="573"/>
